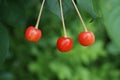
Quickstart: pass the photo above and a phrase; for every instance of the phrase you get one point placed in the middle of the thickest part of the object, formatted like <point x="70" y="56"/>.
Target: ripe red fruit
<point x="64" y="44"/>
<point x="86" y="38"/>
<point x="32" y="34"/>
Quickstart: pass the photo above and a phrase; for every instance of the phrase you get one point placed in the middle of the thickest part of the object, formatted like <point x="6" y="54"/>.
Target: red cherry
<point x="64" y="44"/>
<point x="32" y="34"/>
<point x="86" y="38"/>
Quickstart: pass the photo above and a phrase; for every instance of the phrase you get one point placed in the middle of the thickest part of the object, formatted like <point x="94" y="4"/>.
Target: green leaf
<point x="12" y="14"/>
<point x="113" y="49"/>
<point x="111" y="15"/>
<point x="88" y="6"/>
<point x="53" y="6"/>
<point x="4" y="43"/>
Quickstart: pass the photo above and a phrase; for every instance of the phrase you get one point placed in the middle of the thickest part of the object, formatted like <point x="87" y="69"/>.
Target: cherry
<point x="32" y="34"/>
<point x="64" y="44"/>
<point x="86" y="38"/>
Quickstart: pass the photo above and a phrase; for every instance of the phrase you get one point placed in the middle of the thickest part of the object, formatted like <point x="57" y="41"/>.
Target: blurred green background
<point x="23" y="60"/>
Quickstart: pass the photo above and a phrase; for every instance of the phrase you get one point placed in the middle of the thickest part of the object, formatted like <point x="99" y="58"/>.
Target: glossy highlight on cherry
<point x="32" y="34"/>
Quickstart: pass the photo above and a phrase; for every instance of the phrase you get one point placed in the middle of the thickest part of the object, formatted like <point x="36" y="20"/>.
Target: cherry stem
<point x="76" y="8"/>
<point x="39" y="16"/>
<point x="63" y="22"/>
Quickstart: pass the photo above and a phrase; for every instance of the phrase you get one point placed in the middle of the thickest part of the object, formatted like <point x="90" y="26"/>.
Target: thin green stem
<point x="63" y="22"/>
<point x="39" y="16"/>
<point x="76" y="8"/>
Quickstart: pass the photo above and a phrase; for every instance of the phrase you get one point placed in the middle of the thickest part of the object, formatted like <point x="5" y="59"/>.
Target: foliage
<point x="4" y="47"/>
<point x="23" y="60"/>
<point x="111" y="19"/>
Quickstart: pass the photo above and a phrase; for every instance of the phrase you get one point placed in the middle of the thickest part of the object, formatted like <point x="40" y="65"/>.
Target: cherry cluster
<point x="64" y="43"/>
